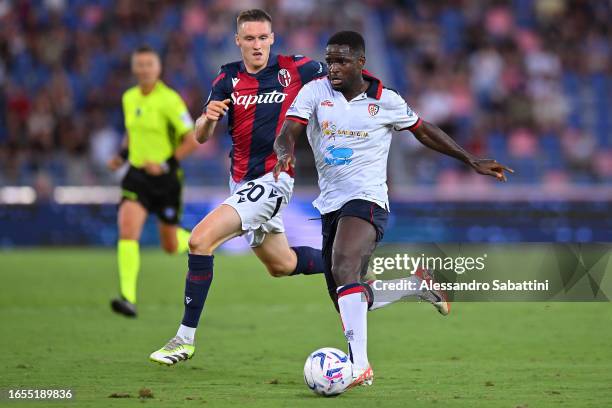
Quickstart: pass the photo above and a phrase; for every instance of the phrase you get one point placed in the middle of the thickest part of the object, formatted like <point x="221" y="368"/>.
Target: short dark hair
<point x="353" y="39"/>
<point x="252" y="15"/>
<point x="145" y="49"/>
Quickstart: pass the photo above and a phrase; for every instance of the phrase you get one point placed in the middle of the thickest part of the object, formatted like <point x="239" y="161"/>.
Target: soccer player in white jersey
<point x="242" y="92"/>
<point x="349" y="118"/>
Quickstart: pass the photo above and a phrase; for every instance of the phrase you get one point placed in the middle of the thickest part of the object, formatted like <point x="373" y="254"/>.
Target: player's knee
<point x="278" y="270"/>
<point x="199" y="243"/>
<point x="169" y="247"/>
<point x="195" y="243"/>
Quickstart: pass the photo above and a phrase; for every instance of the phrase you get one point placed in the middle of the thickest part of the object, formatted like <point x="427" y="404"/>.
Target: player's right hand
<point x="217" y="109"/>
<point x="283" y="164"/>
<point x="114" y="163"/>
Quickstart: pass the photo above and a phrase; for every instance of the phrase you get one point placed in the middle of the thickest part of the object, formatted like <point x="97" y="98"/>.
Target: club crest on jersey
<point x="373" y="109"/>
<point x="284" y="77"/>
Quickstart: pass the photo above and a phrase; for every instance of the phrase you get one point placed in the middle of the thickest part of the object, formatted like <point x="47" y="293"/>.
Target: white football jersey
<point x="350" y="139"/>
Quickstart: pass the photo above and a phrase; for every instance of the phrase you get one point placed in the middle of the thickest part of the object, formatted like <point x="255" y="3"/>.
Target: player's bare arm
<point x="187" y="146"/>
<point x="435" y="138"/>
<point x="284" y="144"/>
<point x="205" y="125"/>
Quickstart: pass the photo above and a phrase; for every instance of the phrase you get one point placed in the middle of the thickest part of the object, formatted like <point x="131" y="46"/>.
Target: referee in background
<point x="159" y="134"/>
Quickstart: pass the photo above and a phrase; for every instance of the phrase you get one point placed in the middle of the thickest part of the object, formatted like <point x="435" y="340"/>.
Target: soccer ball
<point x="328" y="371"/>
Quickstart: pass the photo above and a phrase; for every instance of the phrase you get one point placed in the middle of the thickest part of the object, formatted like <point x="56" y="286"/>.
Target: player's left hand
<point x="283" y="165"/>
<point x="490" y="167"/>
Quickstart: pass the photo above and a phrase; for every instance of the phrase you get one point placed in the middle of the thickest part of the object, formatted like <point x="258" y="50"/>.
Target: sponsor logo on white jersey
<point x="267" y="97"/>
<point x="330" y="130"/>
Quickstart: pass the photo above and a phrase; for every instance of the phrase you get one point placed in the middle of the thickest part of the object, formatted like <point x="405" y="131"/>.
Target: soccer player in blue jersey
<point x="254" y="93"/>
<point x="349" y="118"/>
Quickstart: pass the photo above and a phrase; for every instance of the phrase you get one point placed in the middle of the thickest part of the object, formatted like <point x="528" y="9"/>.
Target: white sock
<point x="354" y="312"/>
<point x="403" y="288"/>
<point x="187" y="333"/>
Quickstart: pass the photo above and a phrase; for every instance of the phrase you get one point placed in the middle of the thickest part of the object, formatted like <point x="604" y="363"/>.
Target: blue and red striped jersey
<point x="259" y="104"/>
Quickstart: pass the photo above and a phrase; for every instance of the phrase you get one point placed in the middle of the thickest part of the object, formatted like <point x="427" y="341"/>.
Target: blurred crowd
<point x="527" y="82"/>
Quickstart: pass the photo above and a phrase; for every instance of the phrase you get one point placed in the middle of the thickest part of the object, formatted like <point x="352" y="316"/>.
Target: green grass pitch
<point x="58" y="331"/>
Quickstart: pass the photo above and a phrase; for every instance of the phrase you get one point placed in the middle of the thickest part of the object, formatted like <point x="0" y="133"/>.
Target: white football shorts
<point x="260" y="204"/>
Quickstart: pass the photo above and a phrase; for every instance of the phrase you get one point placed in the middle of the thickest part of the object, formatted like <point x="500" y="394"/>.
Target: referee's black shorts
<point x="160" y="195"/>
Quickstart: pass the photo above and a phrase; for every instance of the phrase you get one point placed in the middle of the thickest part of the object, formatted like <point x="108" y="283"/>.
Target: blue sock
<point x="199" y="278"/>
<point x="309" y="261"/>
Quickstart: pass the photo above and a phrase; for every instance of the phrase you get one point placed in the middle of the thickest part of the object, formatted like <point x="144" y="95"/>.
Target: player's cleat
<point x="174" y="351"/>
<point x="437" y="298"/>
<point x="122" y="306"/>
<point x="364" y="376"/>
